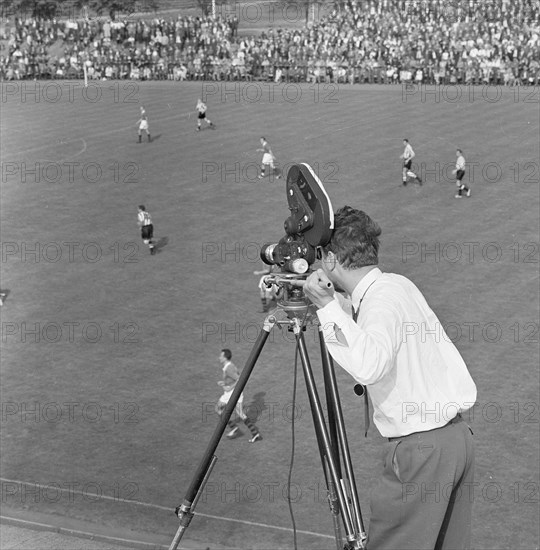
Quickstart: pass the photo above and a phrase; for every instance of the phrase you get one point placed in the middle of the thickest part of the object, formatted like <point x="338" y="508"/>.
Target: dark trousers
<point x="424" y="498"/>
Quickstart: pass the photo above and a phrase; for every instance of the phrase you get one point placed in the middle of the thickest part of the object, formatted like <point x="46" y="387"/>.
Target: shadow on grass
<point x="162" y="242"/>
<point x="255" y="409"/>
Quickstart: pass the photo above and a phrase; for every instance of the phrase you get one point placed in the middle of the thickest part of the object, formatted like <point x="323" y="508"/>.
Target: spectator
<point x="383" y="40"/>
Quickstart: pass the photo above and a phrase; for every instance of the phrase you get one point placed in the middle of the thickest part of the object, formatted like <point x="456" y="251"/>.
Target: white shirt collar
<point x="362" y="287"/>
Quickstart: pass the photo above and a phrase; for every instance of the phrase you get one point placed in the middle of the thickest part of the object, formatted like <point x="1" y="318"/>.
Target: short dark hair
<point x="355" y="239"/>
<point x="405" y="139"/>
<point x="227" y="353"/>
<point x="142" y="207"/>
<point x="459" y="151"/>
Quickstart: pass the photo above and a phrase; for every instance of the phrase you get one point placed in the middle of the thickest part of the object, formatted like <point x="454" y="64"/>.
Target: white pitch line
<point x="77" y="533"/>
<point x="167" y="508"/>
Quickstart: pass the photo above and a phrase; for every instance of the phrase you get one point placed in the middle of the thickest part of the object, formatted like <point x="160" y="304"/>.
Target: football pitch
<point x="109" y="354"/>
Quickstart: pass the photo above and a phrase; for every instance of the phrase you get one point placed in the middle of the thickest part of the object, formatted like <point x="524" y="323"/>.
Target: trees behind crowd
<point x="49" y="9"/>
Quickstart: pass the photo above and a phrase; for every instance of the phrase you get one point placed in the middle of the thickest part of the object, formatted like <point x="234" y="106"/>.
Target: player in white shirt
<point x="267" y="160"/>
<point x="144" y="221"/>
<point x="201" y="110"/>
<point x="460" y="172"/>
<point x="418" y="384"/>
<point x="143" y="125"/>
<point x="407" y="156"/>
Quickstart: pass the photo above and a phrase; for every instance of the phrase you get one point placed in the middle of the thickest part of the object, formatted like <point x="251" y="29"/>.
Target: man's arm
<point x="367" y="350"/>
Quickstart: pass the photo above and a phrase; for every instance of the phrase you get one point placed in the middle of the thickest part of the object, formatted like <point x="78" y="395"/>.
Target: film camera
<point x="310" y="224"/>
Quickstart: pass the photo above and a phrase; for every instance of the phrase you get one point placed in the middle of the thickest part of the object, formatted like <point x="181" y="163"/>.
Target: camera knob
<point x="291" y="226"/>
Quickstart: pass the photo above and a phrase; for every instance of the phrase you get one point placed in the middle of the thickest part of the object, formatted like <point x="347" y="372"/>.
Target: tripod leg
<point x="331" y="412"/>
<point x="320" y="427"/>
<point x="185" y="510"/>
<point x="334" y="505"/>
<point x="330" y="486"/>
<point x="335" y="412"/>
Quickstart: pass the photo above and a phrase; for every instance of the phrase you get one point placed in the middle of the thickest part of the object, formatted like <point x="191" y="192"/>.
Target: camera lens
<point x="267" y="253"/>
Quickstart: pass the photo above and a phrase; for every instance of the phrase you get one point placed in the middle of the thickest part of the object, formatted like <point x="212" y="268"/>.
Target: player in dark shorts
<point x="147" y="228"/>
<point x="460" y="172"/>
<point x="407" y="157"/>
<point x="201" y="109"/>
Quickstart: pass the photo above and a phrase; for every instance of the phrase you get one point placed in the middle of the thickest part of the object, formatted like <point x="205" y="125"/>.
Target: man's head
<point x="225" y="356"/>
<point x="459" y="152"/>
<point x="354" y="242"/>
<point x="141" y="208"/>
<point x="405" y="142"/>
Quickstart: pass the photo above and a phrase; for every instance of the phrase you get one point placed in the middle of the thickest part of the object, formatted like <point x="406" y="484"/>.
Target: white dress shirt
<point x="416" y="378"/>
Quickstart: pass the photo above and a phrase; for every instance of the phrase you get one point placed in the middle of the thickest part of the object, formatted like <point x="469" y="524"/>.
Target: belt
<point x="455" y="420"/>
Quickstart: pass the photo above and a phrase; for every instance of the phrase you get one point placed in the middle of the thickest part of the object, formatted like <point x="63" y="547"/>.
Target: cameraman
<point x="417" y="382"/>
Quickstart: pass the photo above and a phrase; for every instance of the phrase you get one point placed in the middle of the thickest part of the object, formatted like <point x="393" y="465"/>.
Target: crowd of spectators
<point x="391" y="41"/>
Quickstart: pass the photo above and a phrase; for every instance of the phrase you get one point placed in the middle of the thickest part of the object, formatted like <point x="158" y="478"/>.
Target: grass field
<point x="109" y="354"/>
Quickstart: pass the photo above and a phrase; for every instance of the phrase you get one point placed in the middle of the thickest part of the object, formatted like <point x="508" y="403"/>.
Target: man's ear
<point x="331" y="260"/>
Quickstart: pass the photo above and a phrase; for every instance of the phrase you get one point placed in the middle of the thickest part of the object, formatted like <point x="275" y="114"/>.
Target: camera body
<point x="309" y="225"/>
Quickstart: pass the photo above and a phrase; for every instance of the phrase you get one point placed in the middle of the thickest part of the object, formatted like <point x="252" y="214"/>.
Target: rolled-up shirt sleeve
<point x="366" y="350"/>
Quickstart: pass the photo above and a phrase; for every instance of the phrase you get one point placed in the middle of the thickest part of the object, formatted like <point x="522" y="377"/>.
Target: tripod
<point x="293" y="310"/>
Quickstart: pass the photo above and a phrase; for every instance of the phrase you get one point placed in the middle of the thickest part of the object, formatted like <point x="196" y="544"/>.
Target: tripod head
<point x="290" y="297"/>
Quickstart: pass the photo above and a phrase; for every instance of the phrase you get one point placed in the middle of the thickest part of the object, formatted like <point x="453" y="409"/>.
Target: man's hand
<point x="318" y="288"/>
